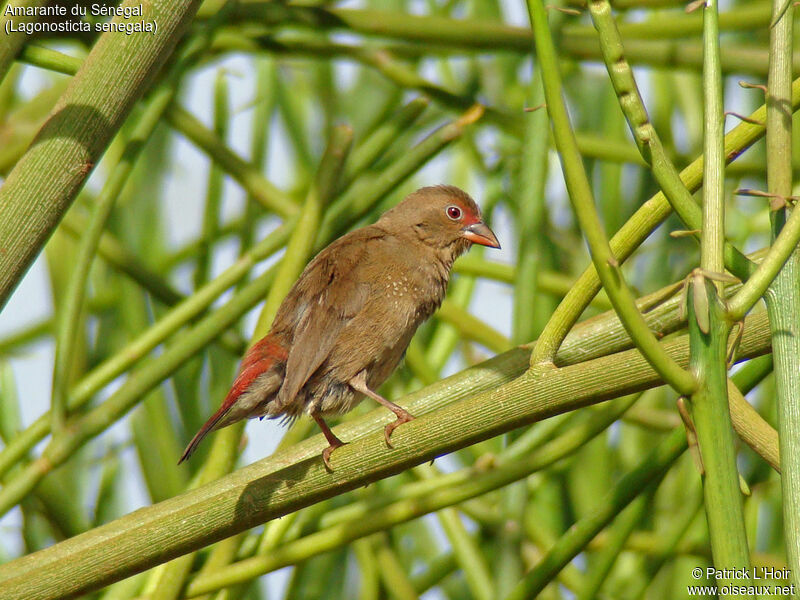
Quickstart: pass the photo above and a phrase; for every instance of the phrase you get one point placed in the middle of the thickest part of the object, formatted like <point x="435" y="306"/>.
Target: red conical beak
<point x="479" y="233"/>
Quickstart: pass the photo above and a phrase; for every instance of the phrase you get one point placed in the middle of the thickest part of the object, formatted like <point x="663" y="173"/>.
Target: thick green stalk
<point x="44" y="182"/>
<point x="709" y="333"/>
<point x="712" y="422"/>
<point x="580" y="193"/>
<point x="712" y="236"/>
<point x="783" y="294"/>
<point x="446" y="420"/>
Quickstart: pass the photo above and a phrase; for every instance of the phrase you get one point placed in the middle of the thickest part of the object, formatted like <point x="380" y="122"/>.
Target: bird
<point x="347" y="321"/>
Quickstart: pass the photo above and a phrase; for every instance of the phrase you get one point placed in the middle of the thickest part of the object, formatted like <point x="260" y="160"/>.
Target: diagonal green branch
<point x="296" y="477"/>
<point x="44" y="182"/>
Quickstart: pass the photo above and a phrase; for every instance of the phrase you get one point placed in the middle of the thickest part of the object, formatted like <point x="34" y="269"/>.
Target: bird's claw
<point x="403" y="417"/>
<point x="326" y="454"/>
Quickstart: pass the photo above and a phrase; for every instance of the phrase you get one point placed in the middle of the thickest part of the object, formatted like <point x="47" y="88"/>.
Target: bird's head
<point x="441" y="216"/>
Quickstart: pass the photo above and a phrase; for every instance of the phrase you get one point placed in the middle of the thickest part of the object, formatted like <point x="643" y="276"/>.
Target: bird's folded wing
<point x="329" y="293"/>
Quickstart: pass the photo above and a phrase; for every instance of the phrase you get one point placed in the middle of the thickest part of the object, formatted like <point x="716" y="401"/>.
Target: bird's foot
<point x="403" y="416"/>
<point x="326" y="454"/>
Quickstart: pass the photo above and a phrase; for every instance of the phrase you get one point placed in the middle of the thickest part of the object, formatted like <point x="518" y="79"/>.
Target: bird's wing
<point x="330" y="292"/>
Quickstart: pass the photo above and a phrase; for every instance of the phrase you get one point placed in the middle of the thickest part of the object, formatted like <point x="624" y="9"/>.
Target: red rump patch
<point x="258" y="360"/>
<point x="263" y="355"/>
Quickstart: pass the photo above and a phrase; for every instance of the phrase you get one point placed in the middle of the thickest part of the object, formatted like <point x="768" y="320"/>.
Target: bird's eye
<point x="453" y="212"/>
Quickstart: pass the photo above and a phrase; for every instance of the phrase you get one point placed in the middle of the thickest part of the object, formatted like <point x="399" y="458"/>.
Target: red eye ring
<point x="453" y="212"/>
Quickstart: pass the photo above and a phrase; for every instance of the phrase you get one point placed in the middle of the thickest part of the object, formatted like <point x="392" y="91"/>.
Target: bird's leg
<point x="359" y="384"/>
<point x="334" y="441"/>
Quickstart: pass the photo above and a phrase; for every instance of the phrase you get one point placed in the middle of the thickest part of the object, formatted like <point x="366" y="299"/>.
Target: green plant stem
<point x="709" y="333"/>
<point x="647" y="473"/>
<point x="42" y="185"/>
<point x="617" y="537"/>
<point x="637" y="228"/>
<point x="712" y="422"/>
<point x="447" y="419"/>
<point x="211" y="216"/>
<point x="12" y="41"/>
<point x="783" y="295"/>
<point x="532" y="219"/>
<point x="752" y="428"/>
<point x="712" y="236"/>
<point x="646" y="137"/>
<point x="52" y="60"/>
<point x="395" y="580"/>
<point x="580" y="193"/>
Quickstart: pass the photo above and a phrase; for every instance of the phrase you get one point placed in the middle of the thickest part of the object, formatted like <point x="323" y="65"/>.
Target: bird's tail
<point x="263" y="356"/>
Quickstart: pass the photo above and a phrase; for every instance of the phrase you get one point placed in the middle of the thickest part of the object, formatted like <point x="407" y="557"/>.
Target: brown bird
<point x="347" y="321"/>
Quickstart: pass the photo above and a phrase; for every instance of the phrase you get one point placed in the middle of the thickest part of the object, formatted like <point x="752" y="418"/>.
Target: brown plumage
<point x="347" y="321"/>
